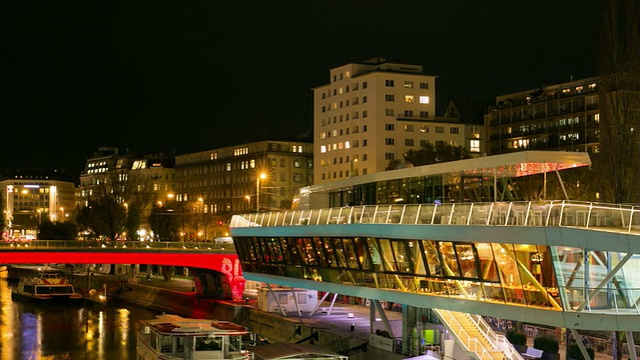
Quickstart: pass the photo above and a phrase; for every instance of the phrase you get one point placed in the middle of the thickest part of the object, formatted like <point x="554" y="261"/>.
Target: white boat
<point x="172" y="337"/>
<point x="47" y="286"/>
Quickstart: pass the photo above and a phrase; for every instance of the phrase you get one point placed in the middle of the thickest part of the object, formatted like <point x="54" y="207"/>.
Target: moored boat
<point x="175" y="337"/>
<point x="47" y="286"/>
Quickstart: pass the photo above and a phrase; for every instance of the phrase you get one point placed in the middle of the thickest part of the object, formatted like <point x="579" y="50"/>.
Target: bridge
<point x="570" y="264"/>
<point x="205" y="258"/>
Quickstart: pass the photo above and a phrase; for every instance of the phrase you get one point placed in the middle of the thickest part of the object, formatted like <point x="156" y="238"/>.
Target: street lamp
<point x="261" y="176"/>
<point x="201" y="201"/>
<point x="248" y="197"/>
<point x="39" y="216"/>
<point x="62" y="212"/>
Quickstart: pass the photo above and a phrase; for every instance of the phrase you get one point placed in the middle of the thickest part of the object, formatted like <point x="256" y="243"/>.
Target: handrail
<point x="566" y="213"/>
<point x="119" y="245"/>
<point x="471" y="343"/>
<point x="499" y="341"/>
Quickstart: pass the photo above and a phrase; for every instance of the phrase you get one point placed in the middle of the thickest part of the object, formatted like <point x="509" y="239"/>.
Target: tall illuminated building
<point x="372" y="113"/>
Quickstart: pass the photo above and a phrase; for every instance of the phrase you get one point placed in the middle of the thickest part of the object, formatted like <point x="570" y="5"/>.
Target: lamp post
<point x="260" y="176"/>
<point x="39" y="217"/>
<point x="62" y="214"/>
<point x="248" y="197"/>
<point x="201" y="201"/>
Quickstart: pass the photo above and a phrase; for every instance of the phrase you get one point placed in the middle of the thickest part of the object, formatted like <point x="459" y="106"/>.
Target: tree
<point x="619" y="67"/>
<point x="116" y="202"/>
<point x="57" y="230"/>
<point x="164" y="223"/>
<point x="441" y="152"/>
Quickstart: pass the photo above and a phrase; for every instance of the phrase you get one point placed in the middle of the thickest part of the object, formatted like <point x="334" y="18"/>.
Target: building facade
<point x="372" y="113"/>
<point x="555" y="117"/>
<point x="262" y="175"/>
<point x="29" y="197"/>
<point x="149" y="174"/>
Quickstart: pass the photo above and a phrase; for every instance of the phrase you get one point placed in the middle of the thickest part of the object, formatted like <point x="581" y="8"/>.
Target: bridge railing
<point x="591" y="215"/>
<point x="120" y="245"/>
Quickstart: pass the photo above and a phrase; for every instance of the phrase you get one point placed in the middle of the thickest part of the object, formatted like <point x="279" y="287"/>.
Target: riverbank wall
<point x="272" y="326"/>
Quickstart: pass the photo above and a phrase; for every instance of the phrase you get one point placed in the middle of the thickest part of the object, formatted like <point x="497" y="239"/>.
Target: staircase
<point x="476" y="337"/>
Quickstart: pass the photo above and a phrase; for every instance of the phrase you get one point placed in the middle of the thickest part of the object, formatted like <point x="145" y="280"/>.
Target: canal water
<point x="31" y="331"/>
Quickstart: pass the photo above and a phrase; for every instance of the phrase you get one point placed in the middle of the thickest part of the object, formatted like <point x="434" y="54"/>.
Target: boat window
<point x="208" y="343"/>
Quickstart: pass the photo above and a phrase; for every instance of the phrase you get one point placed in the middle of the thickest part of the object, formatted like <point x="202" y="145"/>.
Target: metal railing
<point x="469" y="342"/>
<point x="119" y="245"/>
<point x="590" y="215"/>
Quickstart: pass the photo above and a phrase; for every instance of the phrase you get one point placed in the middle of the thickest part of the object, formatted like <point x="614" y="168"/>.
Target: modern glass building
<point x="560" y="263"/>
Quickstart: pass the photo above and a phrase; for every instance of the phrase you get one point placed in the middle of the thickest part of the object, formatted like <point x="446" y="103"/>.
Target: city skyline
<point x="191" y="78"/>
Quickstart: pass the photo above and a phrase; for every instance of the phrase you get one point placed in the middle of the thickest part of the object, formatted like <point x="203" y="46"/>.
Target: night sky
<point x="192" y="76"/>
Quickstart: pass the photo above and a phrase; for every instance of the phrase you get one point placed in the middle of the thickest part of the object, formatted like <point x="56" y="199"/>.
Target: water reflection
<point x="32" y="331"/>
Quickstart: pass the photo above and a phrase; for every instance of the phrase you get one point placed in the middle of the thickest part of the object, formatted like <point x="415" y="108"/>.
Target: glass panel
<point x="350" y="252"/>
<point x="449" y="259"/>
<point x="432" y="258"/>
<point x="319" y="247"/>
<point x="488" y="268"/>
<point x="388" y="261"/>
<point x="467" y="259"/>
<point x="426" y="213"/>
<point x="362" y="254"/>
<point x="339" y="254"/>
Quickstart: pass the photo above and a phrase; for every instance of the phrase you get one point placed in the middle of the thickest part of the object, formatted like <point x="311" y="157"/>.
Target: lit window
<point x="323" y="148"/>
<point x="408" y="84"/>
<point x="408" y="98"/>
<point x="347" y="145"/>
<point x="424" y="99"/>
<point x="474" y="145"/>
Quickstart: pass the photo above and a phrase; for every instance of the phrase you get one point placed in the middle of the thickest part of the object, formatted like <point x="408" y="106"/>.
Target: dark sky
<point x="191" y="76"/>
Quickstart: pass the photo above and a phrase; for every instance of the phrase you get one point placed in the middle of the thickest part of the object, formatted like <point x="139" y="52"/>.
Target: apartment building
<point x="262" y="175"/>
<point x="562" y="117"/>
<point x="32" y="196"/>
<point x="372" y="113"/>
<point x="151" y="174"/>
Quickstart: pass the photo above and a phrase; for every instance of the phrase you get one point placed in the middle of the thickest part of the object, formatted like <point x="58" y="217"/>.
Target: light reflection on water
<point x="32" y="331"/>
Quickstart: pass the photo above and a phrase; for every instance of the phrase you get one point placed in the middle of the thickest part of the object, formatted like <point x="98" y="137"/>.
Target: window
<point x="364" y="128"/>
<point x="364" y="113"/>
<point x="408" y="84"/>
<point x="408" y="98"/>
<point x="408" y="113"/>
<point x="281" y="162"/>
<point x="424" y="100"/>
<point x="364" y="142"/>
<point x="389" y="127"/>
<point x="424" y="142"/>
<point x="364" y="99"/>
<point x="453" y="130"/>
<point x="389" y="97"/>
<point x="408" y="142"/>
<point x="389" y="83"/>
<point x="424" y="128"/>
<point x="389" y="141"/>
<point x="474" y="145"/>
<point x="424" y="85"/>
<point x="296" y="163"/>
<point x="389" y="112"/>
<point x="408" y="127"/>
<point x="364" y="85"/>
<point x="389" y="156"/>
<point x="439" y="129"/>
<point x="424" y="114"/>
